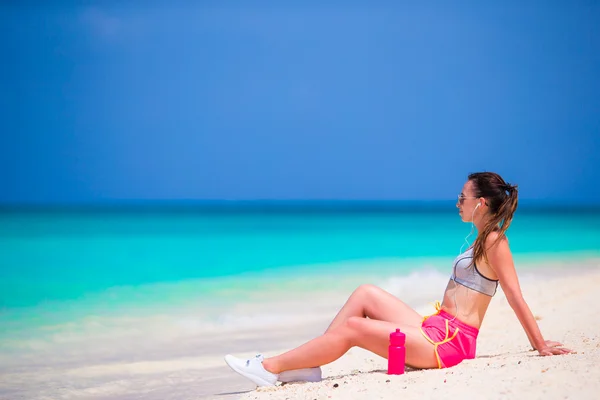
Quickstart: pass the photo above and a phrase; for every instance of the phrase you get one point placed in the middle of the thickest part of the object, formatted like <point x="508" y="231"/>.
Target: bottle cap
<point x="397" y="338"/>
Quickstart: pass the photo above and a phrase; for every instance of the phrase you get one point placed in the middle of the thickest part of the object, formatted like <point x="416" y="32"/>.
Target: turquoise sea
<point x="58" y="266"/>
<point x="65" y="255"/>
<point x="89" y="295"/>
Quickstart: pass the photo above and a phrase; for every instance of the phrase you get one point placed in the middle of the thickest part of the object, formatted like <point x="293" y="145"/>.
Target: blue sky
<point x="298" y="100"/>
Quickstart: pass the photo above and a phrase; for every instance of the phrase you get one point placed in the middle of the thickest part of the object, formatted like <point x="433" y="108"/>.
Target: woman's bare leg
<point x="375" y="303"/>
<point x="369" y="334"/>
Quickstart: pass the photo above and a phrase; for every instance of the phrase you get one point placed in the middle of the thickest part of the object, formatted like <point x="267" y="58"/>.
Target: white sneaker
<point x="301" y="375"/>
<point x="252" y="369"/>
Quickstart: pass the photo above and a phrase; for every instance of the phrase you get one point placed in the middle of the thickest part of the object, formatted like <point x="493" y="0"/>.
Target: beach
<point x="116" y="305"/>
<point x="505" y="366"/>
<point x="182" y="181"/>
<point x="150" y="364"/>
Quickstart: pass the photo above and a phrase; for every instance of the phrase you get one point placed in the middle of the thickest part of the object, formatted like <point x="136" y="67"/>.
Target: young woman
<point x="441" y="340"/>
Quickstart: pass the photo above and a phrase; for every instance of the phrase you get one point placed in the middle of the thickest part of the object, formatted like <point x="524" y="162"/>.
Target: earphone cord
<point x="470" y="233"/>
<point x="461" y="247"/>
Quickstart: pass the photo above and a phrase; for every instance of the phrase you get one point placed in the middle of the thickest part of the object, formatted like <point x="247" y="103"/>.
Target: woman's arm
<point x="501" y="262"/>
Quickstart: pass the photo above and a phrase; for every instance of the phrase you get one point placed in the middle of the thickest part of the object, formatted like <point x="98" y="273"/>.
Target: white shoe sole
<point x="301" y="375"/>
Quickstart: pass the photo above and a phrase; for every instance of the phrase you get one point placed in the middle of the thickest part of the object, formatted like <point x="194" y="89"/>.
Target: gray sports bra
<point x="469" y="276"/>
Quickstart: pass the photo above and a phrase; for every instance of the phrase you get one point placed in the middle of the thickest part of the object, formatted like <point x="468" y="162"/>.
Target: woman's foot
<point x="252" y="369"/>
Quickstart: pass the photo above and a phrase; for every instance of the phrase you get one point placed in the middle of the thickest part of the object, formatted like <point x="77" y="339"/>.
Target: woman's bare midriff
<point x="467" y="305"/>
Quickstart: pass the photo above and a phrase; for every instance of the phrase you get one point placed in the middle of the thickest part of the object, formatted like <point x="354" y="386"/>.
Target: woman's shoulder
<point x="496" y="242"/>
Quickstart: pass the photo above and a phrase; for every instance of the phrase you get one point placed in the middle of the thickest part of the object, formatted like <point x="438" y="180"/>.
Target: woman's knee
<point x="352" y="329"/>
<point x="354" y="323"/>
<point x="365" y="290"/>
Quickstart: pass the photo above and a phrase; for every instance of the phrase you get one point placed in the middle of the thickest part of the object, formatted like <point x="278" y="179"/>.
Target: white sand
<point x="567" y="309"/>
<point x="165" y="360"/>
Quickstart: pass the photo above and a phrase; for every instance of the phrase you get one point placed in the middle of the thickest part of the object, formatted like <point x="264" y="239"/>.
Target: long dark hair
<point x="502" y="199"/>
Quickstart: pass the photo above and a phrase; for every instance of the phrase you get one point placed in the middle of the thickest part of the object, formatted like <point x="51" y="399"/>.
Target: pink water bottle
<point x="396" y="353"/>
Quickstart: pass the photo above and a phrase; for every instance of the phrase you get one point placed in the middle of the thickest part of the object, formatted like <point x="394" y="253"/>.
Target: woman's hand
<point x="553" y="348"/>
<point x="550" y="343"/>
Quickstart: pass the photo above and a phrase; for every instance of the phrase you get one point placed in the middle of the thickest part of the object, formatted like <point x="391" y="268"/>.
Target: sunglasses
<point x="461" y="198"/>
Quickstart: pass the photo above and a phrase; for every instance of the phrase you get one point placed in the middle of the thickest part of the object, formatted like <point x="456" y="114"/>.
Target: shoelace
<point x="248" y="361"/>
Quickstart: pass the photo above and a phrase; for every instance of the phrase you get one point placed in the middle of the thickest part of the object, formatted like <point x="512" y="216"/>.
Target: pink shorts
<point x="453" y="340"/>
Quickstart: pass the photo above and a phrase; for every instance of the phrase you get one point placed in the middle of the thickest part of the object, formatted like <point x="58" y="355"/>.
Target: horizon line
<point x="276" y="205"/>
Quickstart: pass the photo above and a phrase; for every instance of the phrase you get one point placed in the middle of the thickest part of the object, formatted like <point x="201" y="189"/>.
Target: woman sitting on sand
<point x="441" y="340"/>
